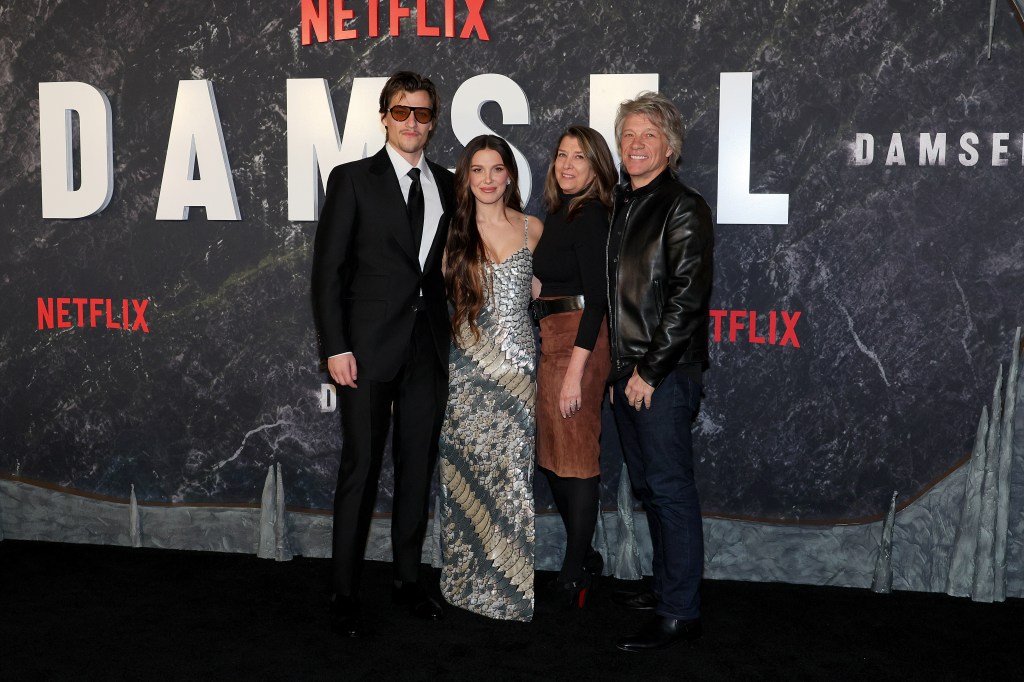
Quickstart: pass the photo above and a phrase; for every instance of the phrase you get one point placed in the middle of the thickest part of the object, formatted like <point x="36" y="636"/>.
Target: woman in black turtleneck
<point x="574" y="363"/>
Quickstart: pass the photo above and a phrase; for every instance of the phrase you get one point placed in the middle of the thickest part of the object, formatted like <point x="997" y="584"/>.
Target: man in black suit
<point x="382" y="319"/>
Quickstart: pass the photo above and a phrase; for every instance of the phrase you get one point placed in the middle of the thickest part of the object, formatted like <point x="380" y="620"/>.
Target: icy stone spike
<point x="992" y="443"/>
<point x="991" y="26"/>
<point x="17" y="472"/>
<point x="283" y="551"/>
<point x="627" y="562"/>
<point x="134" y="521"/>
<point x="961" y="564"/>
<point x="268" y="514"/>
<point x="1003" y="475"/>
<point x="882" y="580"/>
<point x="435" y="534"/>
<point x="983" y="571"/>
<point x="1015" y="530"/>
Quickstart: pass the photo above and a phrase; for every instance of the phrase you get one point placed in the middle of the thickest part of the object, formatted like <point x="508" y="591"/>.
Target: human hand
<point x="638" y="392"/>
<point x="343" y="369"/>
<point x="569" y="398"/>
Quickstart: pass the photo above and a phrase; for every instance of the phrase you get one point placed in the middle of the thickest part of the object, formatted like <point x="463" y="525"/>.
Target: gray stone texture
<point x="908" y="278"/>
<point x="881" y="581"/>
<point x="983" y="565"/>
<point x="921" y="542"/>
<point x="1015" y="521"/>
<point x="961" y="572"/>
<point x="1002" y="470"/>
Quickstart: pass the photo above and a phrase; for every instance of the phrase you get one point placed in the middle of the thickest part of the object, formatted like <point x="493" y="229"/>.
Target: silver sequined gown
<point x="486" y="454"/>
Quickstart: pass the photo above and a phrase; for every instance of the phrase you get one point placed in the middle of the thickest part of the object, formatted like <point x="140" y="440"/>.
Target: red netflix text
<point x="773" y="327"/>
<point x="317" y="15"/>
<point x="105" y="313"/>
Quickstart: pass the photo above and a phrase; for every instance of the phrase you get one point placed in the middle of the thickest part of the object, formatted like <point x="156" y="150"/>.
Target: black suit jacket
<point x="366" y="270"/>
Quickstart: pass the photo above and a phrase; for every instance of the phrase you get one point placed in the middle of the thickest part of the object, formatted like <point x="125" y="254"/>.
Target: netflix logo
<point x="324" y="20"/>
<point x="103" y="313"/>
<point x="774" y="328"/>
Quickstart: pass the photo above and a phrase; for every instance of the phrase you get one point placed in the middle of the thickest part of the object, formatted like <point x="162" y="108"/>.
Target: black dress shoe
<point x="660" y="633"/>
<point x="644" y="600"/>
<point x="346" y="619"/>
<point x="417" y="601"/>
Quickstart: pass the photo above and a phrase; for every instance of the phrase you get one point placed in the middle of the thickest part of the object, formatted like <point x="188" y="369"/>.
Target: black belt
<point x="541" y="307"/>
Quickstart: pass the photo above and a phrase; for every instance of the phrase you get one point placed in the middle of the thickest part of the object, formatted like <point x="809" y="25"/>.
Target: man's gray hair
<point x="661" y="112"/>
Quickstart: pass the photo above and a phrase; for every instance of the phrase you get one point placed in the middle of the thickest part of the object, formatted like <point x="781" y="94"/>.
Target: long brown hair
<point x="595" y="149"/>
<point x="465" y="256"/>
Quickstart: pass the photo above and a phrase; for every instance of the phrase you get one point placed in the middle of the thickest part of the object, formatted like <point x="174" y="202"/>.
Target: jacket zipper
<point x="612" y="304"/>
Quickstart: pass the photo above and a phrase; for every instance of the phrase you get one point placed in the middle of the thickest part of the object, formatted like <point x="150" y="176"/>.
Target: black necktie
<point x="415" y="206"/>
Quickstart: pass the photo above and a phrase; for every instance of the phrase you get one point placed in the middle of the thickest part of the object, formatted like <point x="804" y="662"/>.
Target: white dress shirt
<point x="431" y="196"/>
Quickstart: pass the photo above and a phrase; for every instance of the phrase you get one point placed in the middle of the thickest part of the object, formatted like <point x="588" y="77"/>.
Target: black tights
<point x="577" y="500"/>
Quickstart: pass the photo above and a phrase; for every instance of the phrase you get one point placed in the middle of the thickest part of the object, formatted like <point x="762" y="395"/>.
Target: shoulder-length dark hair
<point x="660" y="111"/>
<point x="465" y="255"/>
<point x="595" y="149"/>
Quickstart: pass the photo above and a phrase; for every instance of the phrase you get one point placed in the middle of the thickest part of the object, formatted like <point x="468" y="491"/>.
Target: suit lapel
<point x="394" y="217"/>
<point x="447" y="207"/>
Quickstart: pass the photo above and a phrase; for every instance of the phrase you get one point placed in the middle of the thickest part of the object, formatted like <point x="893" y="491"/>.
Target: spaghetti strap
<point x="526" y="230"/>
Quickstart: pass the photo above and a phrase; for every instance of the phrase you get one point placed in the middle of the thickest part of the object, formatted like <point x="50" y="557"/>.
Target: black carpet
<point x="74" y="612"/>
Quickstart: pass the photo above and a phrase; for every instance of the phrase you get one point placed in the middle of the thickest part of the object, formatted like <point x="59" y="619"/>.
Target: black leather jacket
<point x="659" y="278"/>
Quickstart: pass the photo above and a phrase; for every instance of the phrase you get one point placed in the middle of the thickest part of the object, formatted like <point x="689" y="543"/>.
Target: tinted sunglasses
<point x="400" y="112"/>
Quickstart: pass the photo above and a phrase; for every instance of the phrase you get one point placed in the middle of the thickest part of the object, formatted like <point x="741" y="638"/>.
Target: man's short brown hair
<point x="408" y="81"/>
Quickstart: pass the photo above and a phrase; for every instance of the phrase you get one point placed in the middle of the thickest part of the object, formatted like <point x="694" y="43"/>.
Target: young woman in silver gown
<point x="487" y="440"/>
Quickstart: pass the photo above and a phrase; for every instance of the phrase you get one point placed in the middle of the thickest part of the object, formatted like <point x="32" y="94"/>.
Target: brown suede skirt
<point x="569" y="447"/>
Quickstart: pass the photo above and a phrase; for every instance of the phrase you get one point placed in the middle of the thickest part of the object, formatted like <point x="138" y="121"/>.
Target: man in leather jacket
<point x="659" y="282"/>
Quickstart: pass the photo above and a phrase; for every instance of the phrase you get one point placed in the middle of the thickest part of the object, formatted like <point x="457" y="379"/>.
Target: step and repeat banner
<point x="161" y="169"/>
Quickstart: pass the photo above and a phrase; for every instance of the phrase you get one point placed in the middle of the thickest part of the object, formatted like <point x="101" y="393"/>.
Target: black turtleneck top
<point x="569" y="260"/>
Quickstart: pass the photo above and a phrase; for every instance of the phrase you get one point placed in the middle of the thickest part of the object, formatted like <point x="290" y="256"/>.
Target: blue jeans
<point x="658" y="448"/>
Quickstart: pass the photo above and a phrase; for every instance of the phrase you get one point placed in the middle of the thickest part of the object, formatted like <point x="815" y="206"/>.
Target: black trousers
<point x="414" y="399"/>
